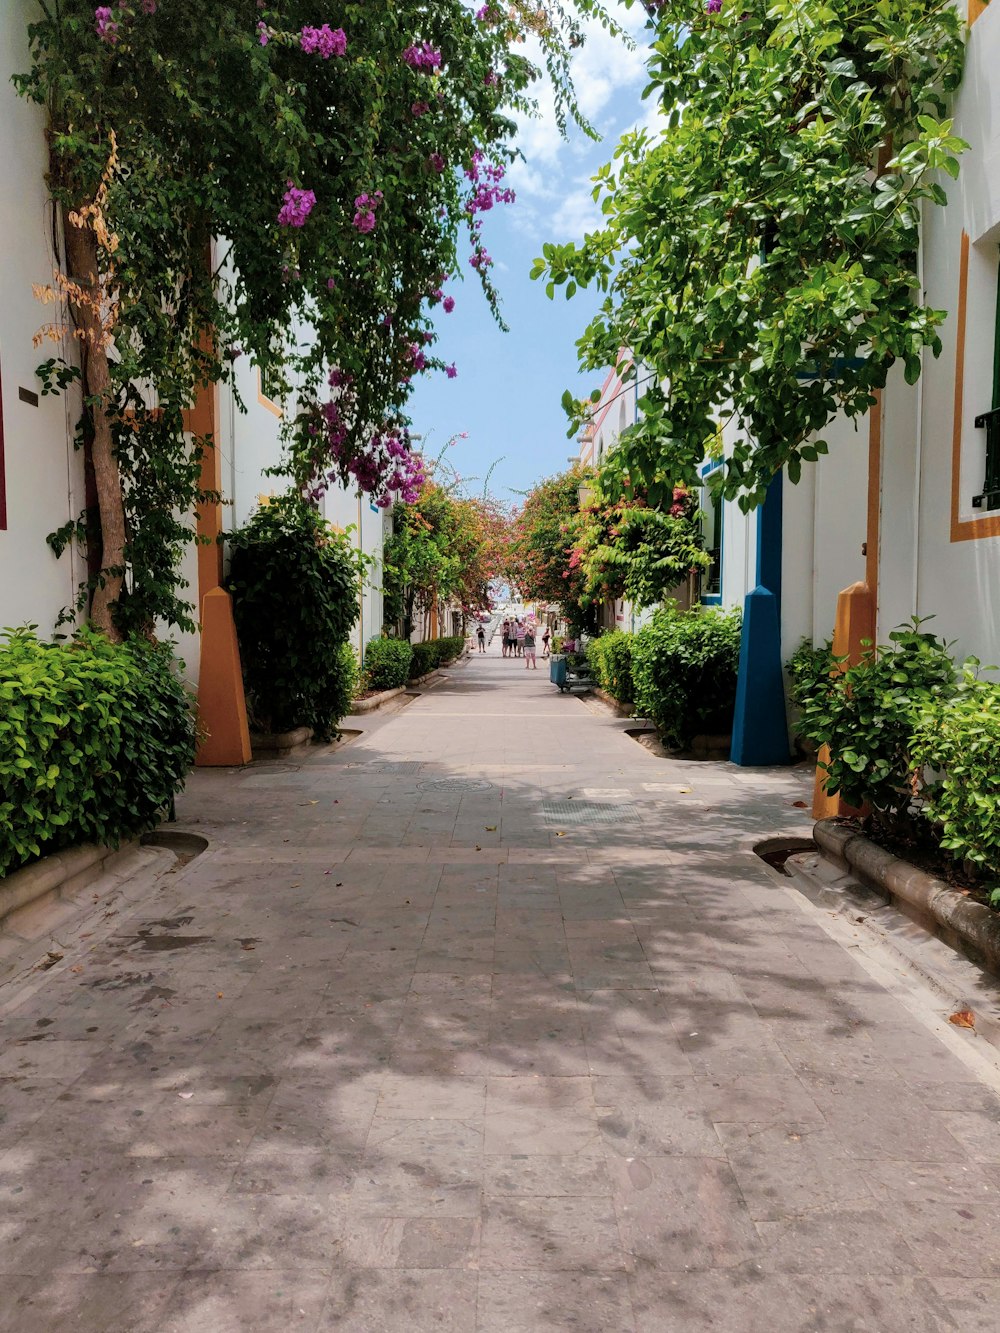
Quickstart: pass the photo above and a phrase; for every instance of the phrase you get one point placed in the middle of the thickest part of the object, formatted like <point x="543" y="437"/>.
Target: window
<point x="712" y="523"/>
<point x="3" y="477"/>
<point x="989" y="497"/>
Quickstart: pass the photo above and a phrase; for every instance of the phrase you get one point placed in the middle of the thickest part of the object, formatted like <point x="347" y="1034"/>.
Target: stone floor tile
<point x="562" y="1232"/>
<point x="647" y="1116"/>
<point x="738" y="1300"/>
<point x="520" y="1175"/>
<point x="125" y="1302"/>
<point x="417" y="1300"/>
<point x="551" y="1302"/>
<point x="681" y="1212"/>
<point x="230" y="1302"/>
<point x="943" y="1208"/>
<point x="412" y="1242"/>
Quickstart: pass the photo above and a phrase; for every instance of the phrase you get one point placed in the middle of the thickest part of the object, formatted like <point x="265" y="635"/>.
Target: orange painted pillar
<point x="222" y="710"/>
<point x="853" y="635"/>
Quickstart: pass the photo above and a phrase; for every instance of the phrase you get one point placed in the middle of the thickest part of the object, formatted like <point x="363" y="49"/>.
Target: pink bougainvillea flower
<point x="262" y="33"/>
<point x="448" y="304"/>
<point x="450" y="371"/>
<point x="436" y="161"/>
<point x="423" y="56"/>
<point x="105" y="25"/>
<point x="296" y="206"/>
<point x="325" y="41"/>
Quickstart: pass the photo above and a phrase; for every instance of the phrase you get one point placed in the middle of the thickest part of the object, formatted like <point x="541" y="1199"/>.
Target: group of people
<point x="519" y="638"/>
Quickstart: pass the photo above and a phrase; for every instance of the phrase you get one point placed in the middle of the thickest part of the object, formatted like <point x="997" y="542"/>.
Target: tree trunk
<point x="82" y="269"/>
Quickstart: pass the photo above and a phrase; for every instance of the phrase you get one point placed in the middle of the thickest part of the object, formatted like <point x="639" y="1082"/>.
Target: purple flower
<point x="420" y="108"/>
<point x="331" y="283"/>
<point x="713" y="6"/>
<point x="149" y="6"/>
<point x="450" y="371"/>
<point x="262" y="33"/>
<point x="423" y="56"/>
<point x="326" y="41"/>
<point x="491" y="79"/>
<point x="437" y="162"/>
<point x="296" y="206"/>
<point x="105" y="25"/>
<point x="448" y="304"/>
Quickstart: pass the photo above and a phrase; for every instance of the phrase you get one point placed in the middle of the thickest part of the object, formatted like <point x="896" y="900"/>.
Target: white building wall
<point x="44" y="475"/>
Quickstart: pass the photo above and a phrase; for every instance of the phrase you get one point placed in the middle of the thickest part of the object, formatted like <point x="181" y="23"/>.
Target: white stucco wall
<point x="44" y="476"/>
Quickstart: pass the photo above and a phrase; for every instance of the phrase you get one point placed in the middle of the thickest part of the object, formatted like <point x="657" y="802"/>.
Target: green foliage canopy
<point x="758" y="257"/>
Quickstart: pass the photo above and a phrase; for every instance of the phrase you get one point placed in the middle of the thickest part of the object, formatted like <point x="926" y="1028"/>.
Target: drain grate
<point x="456" y="784"/>
<point x="589" y="812"/>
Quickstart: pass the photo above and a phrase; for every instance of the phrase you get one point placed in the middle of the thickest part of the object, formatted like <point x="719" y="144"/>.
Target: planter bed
<point x="59" y="874"/>
<point x="705" y="747"/>
<point x="282" y="743"/>
<point x="377" y="700"/>
<point x="954" y="917"/>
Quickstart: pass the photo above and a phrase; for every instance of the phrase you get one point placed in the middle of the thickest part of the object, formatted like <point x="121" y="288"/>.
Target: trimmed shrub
<point x="958" y="740"/>
<point x="868" y="713"/>
<point x="809" y="670"/>
<point x="434" y="653"/>
<point x="425" y="658"/>
<point x="684" y="666"/>
<point x="295" y="599"/>
<point x="387" y="664"/>
<point x="451" y="649"/>
<point x="95" y="741"/>
<point x="610" y="659"/>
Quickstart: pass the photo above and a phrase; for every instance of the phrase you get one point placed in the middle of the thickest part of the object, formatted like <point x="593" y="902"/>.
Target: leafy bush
<point x="809" y="671"/>
<point x="684" y="666"/>
<point x="344" y="680"/>
<point x="295" y="599"/>
<point x="425" y="658"/>
<point x="610" y="659"/>
<point x="450" y="649"/>
<point x="95" y="741"/>
<point x="387" y="663"/>
<point x="434" y="653"/>
<point x="868" y="715"/>
<point x="958" y="740"/>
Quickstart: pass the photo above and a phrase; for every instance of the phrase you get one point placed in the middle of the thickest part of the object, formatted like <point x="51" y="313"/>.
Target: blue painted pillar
<point x="760" y="727"/>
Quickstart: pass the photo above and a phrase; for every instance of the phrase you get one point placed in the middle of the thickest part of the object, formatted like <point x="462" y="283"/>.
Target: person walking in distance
<point x="545" y="642"/>
<point x="481" y="636"/>
<point x="505" y="637"/>
<point x="519" y="637"/>
<point x="529" y="647"/>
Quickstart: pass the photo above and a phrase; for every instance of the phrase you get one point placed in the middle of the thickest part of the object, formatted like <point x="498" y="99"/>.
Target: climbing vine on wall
<point x="342" y="170"/>
<point x="758" y="254"/>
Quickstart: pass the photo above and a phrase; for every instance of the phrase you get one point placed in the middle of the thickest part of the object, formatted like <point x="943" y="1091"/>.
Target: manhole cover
<point x="588" y="812"/>
<point x="456" y="784"/>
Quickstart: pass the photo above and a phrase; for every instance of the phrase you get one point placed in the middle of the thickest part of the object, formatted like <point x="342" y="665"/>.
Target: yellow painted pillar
<point x="853" y="633"/>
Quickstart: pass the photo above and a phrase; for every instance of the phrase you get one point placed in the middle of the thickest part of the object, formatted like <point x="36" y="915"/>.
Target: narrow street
<point x="488" y="1021"/>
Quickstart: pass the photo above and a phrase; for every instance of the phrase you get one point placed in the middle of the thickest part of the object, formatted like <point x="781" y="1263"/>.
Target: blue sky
<point x="507" y="392"/>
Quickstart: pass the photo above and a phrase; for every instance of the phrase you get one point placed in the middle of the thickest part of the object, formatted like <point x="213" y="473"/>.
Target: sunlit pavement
<point x="489" y="1020"/>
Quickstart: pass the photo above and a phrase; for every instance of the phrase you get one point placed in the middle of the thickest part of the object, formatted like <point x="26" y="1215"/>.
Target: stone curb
<point x="58" y="874"/>
<point x="968" y="926"/>
<point x="376" y="700"/>
<point x="616" y="706"/>
<point x="280" y="742"/>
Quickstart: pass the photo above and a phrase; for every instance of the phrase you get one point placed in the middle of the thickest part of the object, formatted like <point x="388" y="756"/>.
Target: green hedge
<point x="95" y="741"/>
<point x="435" y="653"/>
<point x="916" y="742"/>
<point x="387" y="664"/>
<point x="295" y="600"/>
<point x="868" y="713"/>
<point x="956" y="745"/>
<point x="610" y="659"/>
<point x="684" y="666"/>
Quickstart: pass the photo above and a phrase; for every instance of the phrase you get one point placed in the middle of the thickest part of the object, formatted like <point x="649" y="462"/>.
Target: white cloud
<point x="577" y="214"/>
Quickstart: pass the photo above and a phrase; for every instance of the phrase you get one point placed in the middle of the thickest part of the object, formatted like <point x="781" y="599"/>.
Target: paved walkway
<point x="487" y="1021"/>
